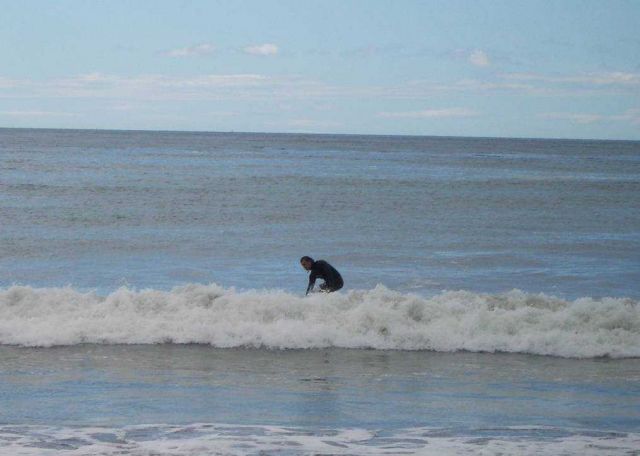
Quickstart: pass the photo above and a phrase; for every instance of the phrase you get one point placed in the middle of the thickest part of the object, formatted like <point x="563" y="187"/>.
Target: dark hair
<point x="306" y="258"/>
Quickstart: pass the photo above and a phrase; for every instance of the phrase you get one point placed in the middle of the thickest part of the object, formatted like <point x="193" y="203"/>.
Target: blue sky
<point x="568" y="69"/>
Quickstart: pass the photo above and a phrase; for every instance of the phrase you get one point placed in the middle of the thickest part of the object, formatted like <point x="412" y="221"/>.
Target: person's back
<point x="323" y="270"/>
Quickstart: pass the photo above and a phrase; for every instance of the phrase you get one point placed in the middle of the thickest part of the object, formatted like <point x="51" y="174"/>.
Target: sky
<point x="560" y="69"/>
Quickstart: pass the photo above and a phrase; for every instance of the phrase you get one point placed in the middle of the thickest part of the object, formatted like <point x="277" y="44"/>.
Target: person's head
<point x="306" y="262"/>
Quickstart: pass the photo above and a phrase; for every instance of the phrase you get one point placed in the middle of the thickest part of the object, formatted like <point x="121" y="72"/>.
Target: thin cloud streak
<point x="304" y="124"/>
<point x="253" y="86"/>
<point x="630" y="115"/>
<point x="430" y="113"/>
<point x="36" y="114"/>
<point x="606" y="78"/>
<point x="265" y="49"/>
<point x="198" y="50"/>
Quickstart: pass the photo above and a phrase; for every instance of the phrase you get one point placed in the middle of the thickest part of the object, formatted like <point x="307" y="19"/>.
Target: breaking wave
<point x="379" y="318"/>
<point x="230" y="440"/>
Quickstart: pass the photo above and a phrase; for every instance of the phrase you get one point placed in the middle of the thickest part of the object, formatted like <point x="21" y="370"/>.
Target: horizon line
<point x="150" y="130"/>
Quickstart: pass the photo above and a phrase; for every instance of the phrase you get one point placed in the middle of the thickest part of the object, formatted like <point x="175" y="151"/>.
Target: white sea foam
<point x="223" y="439"/>
<point x="379" y="318"/>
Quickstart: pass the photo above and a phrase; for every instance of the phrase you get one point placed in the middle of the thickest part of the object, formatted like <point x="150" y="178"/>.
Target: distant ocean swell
<point x="379" y="318"/>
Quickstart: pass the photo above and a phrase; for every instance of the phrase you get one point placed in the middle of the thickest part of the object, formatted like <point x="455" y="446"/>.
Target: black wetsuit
<point x="323" y="270"/>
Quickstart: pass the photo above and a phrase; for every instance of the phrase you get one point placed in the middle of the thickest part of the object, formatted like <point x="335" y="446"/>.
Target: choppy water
<point x="130" y="260"/>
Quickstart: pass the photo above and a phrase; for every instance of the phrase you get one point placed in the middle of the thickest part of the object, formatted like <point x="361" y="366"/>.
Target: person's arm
<point x="312" y="282"/>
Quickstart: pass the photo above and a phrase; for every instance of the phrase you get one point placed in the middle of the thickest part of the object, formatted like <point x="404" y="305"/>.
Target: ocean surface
<point x="152" y="303"/>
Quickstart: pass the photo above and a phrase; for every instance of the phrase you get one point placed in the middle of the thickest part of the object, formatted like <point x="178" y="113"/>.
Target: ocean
<point x="152" y="301"/>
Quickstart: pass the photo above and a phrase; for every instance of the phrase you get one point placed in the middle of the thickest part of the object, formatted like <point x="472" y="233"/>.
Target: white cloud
<point x="262" y="49"/>
<point x="430" y="113"/>
<point x="630" y="115"/>
<point x="479" y="58"/>
<point x="197" y="50"/>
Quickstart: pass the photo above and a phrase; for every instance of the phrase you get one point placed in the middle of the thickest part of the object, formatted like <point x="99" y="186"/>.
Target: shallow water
<point x="118" y="385"/>
<point x="361" y="401"/>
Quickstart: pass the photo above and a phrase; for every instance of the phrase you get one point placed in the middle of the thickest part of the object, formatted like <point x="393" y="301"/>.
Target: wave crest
<point x="378" y="318"/>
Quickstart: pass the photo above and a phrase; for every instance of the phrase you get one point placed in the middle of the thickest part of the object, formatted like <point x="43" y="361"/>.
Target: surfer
<point x="323" y="270"/>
